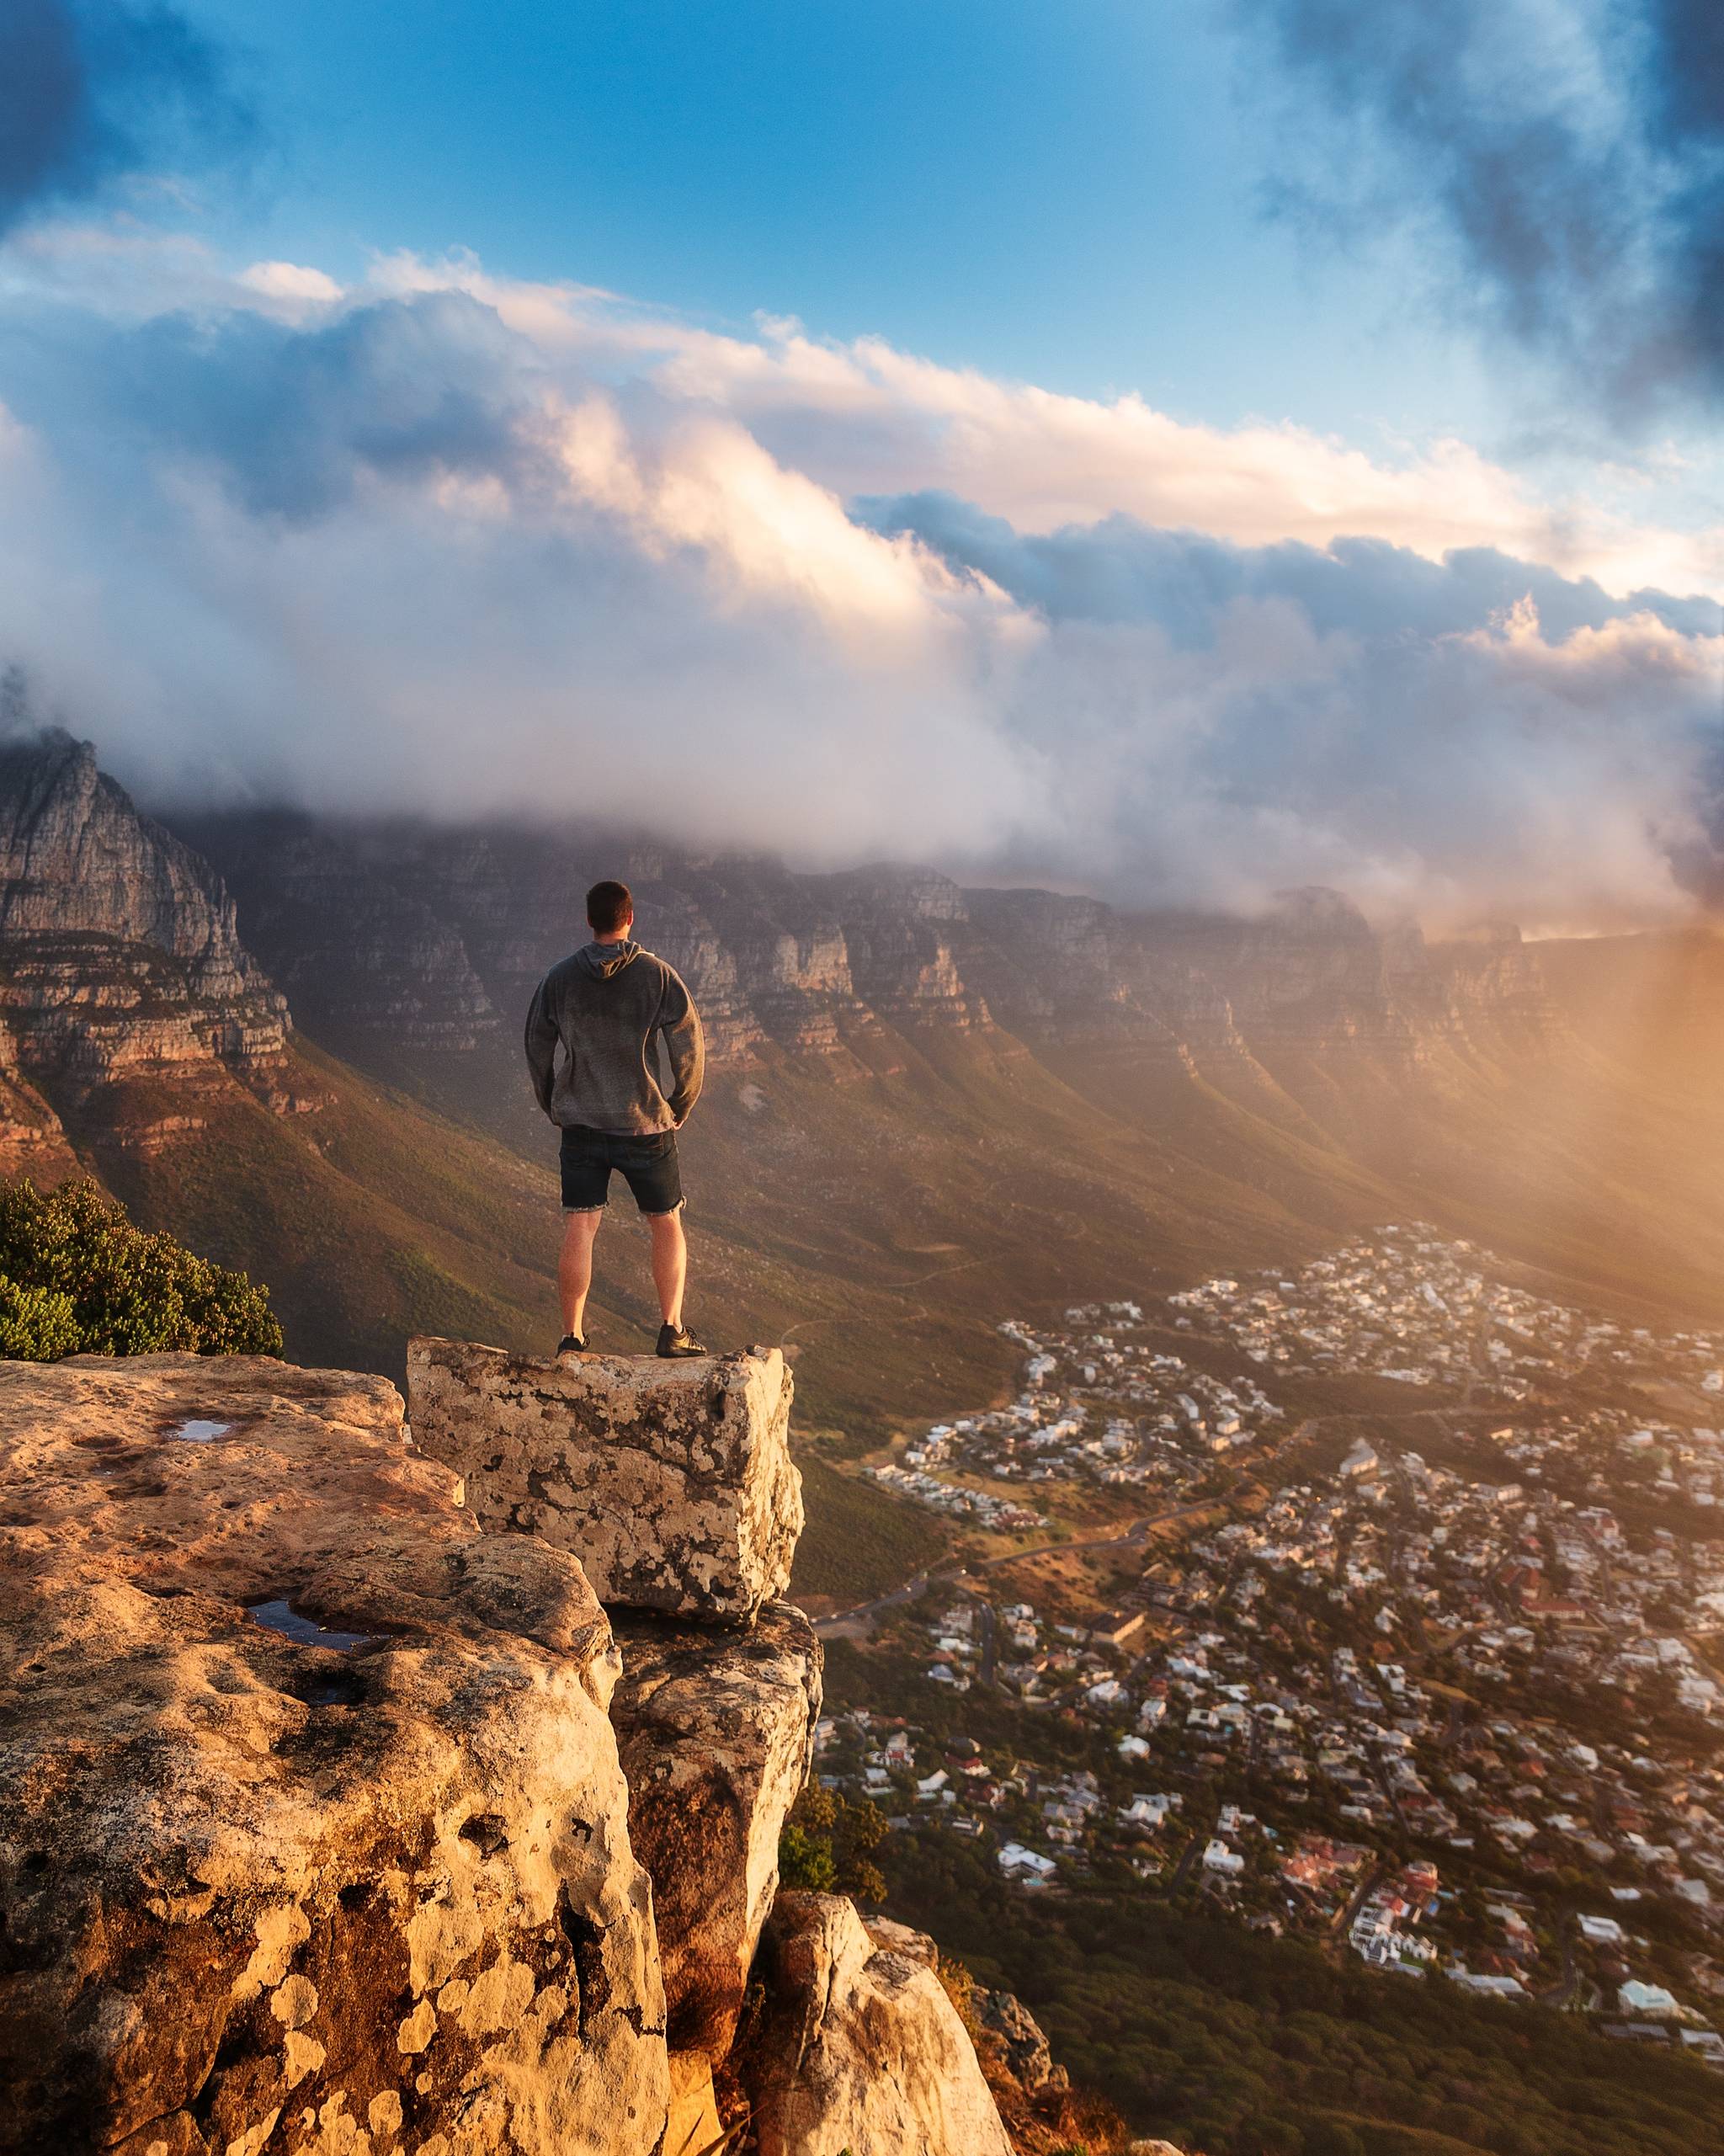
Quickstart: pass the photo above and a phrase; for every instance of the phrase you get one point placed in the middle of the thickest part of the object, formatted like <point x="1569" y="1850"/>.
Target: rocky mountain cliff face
<point x="435" y="939"/>
<point x="124" y="989"/>
<point x="1029" y="1095"/>
<point x="122" y="957"/>
<point x="338" y="1824"/>
<point x="1158" y="1092"/>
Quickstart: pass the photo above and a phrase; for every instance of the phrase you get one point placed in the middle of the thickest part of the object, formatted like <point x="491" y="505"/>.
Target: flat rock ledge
<point x="672" y="1482"/>
<point x="313" y="1835"/>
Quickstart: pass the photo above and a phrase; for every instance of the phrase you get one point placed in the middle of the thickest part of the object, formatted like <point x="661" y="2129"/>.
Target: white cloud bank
<point x="866" y="418"/>
<point x="460" y="545"/>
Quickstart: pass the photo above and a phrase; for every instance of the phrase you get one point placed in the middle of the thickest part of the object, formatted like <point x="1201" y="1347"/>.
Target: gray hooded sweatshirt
<point x="608" y="1009"/>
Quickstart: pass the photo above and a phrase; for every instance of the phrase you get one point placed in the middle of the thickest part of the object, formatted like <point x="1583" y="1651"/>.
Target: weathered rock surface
<point x="673" y="1481"/>
<point x="716" y="1736"/>
<point x="693" y="2128"/>
<point x="363" y="1891"/>
<point x="860" y="2048"/>
<point x="1024" y="2046"/>
<point x="333" y="1824"/>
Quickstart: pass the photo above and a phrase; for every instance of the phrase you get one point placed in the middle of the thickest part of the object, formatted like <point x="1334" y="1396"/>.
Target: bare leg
<point x="574" y="1270"/>
<point x="670" y="1263"/>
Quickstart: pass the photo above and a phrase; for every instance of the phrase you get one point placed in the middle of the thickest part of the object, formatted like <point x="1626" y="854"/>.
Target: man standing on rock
<point x="608" y="1009"/>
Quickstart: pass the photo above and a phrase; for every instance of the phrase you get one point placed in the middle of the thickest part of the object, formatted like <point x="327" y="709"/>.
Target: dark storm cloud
<point x="1689" y="88"/>
<point x="95" y="91"/>
<point x="1569" y="153"/>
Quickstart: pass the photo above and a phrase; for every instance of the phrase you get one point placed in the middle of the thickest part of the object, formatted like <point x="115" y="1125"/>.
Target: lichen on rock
<point x="1024" y="2046"/>
<point x="672" y="1481"/>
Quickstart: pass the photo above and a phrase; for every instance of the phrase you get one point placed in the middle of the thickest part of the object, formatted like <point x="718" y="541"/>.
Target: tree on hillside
<point x="825" y="1844"/>
<point x="77" y="1278"/>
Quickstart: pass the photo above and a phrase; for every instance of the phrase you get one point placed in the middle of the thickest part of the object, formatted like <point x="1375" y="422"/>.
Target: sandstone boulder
<point x="716" y="1733"/>
<point x="859" y="2048"/>
<point x="672" y="1481"/>
<point x="693" y="2128"/>
<point x="312" y="1831"/>
<point x="1026" y="2049"/>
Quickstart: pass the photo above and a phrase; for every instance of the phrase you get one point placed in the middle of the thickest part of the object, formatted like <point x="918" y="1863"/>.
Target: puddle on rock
<point x="304" y="1632"/>
<point x="198" y="1431"/>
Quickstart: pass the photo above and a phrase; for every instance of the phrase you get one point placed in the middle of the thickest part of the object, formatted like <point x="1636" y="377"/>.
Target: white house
<point x="1489" y="1987"/>
<point x="1650" y="2000"/>
<point x="1017" y="1862"/>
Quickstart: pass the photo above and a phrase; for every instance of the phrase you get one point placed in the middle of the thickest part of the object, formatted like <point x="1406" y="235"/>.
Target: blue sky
<point x="1072" y="192"/>
<point x="1180" y="451"/>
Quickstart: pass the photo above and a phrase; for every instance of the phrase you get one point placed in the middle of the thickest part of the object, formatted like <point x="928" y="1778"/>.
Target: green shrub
<point x="77" y="1278"/>
<point x="824" y="1848"/>
<point x="806" y="1862"/>
<point x="1332" y="2138"/>
<point x="36" y="1325"/>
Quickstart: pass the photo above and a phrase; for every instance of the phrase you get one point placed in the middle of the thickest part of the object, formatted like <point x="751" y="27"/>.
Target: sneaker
<point x="674" y="1343"/>
<point x="571" y="1343"/>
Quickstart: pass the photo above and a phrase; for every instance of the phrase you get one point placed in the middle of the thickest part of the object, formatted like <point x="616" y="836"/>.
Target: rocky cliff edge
<point x="339" y="1814"/>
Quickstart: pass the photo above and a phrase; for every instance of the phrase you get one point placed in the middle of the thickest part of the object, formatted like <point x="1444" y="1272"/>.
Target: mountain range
<point x="295" y="1042"/>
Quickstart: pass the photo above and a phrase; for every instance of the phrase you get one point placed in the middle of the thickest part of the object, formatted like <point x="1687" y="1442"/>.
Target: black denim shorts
<point x="648" y="1165"/>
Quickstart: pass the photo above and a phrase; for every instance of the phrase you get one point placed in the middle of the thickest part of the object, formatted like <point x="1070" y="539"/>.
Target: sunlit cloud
<point x="290" y="281"/>
<point x="438" y="542"/>
<point x="867" y="418"/>
<point x="862" y="417"/>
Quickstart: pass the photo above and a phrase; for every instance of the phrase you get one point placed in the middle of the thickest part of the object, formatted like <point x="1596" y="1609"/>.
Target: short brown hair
<point x="608" y="906"/>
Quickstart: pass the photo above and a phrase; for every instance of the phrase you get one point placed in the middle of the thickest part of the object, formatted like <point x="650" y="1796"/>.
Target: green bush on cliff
<point x="77" y="1278"/>
<point x="36" y="1325"/>
<point x="824" y="1848"/>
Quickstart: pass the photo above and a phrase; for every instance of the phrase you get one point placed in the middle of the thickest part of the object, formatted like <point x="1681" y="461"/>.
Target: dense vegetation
<point x="77" y="1278"/>
<point x="1241" y="2045"/>
<point x="826" y="1845"/>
